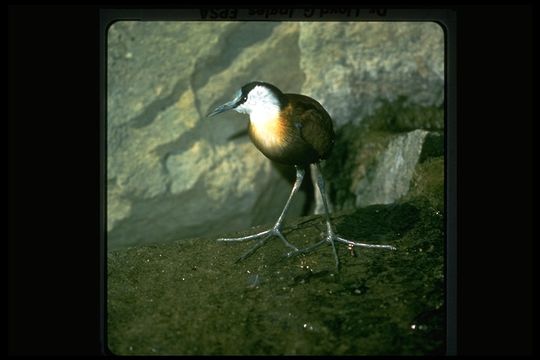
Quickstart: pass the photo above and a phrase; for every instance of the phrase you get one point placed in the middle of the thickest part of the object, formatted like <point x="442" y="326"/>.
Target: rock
<point x="172" y="173"/>
<point x="389" y="180"/>
<point x="401" y="115"/>
<point x="388" y="74"/>
<point x="189" y="297"/>
<point x="428" y="184"/>
<point x="351" y="67"/>
<point x="376" y="164"/>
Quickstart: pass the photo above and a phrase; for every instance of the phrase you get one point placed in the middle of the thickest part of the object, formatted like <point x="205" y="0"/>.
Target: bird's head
<point x="254" y="97"/>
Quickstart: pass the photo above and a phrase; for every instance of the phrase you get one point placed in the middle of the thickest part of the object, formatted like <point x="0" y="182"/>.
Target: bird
<point x="291" y="129"/>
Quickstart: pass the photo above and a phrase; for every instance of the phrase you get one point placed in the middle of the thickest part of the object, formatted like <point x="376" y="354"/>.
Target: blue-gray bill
<point x="222" y="108"/>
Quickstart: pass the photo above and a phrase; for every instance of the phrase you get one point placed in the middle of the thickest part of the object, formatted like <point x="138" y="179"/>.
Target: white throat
<point x="264" y="114"/>
<point x="261" y="105"/>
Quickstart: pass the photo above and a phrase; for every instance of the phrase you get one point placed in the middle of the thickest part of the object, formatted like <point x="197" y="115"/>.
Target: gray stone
<point x="351" y="67"/>
<point x="173" y="173"/>
<point x="390" y="178"/>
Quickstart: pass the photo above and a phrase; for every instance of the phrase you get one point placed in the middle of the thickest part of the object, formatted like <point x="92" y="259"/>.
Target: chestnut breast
<point x="299" y="134"/>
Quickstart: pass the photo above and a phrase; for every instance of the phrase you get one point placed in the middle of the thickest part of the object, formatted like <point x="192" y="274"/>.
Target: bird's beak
<point x="222" y="108"/>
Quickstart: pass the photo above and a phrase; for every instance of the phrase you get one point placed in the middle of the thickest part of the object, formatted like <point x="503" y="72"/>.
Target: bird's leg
<point x="331" y="237"/>
<point x="276" y="229"/>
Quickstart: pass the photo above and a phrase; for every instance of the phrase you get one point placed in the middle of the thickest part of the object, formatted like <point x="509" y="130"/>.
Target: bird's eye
<point x="244" y="98"/>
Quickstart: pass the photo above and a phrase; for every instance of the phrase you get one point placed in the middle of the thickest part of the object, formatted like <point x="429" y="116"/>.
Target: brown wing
<point x="313" y="123"/>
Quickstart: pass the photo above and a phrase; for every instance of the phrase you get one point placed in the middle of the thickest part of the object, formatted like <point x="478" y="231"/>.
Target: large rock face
<point x="351" y="67"/>
<point x="172" y="173"/>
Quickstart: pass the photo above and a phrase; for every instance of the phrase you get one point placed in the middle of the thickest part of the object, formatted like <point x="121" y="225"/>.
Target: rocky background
<point x="173" y="174"/>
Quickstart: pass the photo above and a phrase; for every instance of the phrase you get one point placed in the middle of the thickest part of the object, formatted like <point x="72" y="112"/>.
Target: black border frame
<point x="446" y="18"/>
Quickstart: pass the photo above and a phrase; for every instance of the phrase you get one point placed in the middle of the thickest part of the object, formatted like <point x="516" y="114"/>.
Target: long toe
<point x="305" y="250"/>
<point x="253" y="249"/>
<point x="278" y="233"/>
<point x="331" y="239"/>
<point x="246" y="238"/>
<point x="262" y="237"/>
<point x="354" y="243"/>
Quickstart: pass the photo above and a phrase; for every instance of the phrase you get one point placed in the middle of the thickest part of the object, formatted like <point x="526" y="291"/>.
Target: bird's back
<point x="313" y="124"/>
